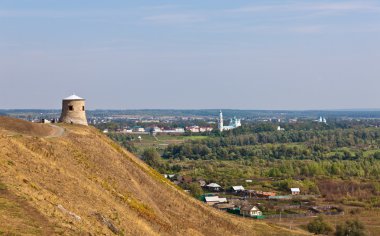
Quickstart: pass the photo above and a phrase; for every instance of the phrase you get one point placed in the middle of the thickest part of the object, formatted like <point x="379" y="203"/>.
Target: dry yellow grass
<point x="369" y="217"/>
<point x="84" y="183"/>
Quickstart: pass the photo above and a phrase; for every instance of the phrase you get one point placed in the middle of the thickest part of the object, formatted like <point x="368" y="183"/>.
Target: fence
<point x="301" y="215"/>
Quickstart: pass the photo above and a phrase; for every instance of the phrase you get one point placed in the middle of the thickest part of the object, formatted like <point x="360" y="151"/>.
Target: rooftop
<point x="238" y="188"/>
<point x="73" y="97"/>
<point x="213" y="185"/>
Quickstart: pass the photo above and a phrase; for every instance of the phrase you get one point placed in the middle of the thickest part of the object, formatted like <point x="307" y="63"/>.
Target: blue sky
<point x="190" y="54"/>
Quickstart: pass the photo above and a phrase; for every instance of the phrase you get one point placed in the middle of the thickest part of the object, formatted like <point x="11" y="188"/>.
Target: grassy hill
<point x="80" y="182"/>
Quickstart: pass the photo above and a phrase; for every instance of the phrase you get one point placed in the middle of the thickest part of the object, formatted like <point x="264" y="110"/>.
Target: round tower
<point x="73" y="110"/>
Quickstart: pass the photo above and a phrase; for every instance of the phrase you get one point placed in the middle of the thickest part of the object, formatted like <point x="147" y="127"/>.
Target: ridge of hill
<point x="13" y="126"/>
<point x="82" y="183"/>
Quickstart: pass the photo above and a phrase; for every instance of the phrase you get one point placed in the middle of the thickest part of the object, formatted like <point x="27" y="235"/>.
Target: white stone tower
<point x="220" y="124"/>
<point x="73" y="110"/>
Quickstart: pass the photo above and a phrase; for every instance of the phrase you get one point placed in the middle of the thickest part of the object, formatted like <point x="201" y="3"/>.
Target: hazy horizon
<point x="267" y="55"/>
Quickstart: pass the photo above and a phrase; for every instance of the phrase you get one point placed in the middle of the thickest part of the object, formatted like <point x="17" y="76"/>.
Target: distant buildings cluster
<point x="237" y="199"/>
<point x="156" y="130"/>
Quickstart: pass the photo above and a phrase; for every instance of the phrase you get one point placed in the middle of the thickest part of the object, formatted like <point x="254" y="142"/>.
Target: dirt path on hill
<point x="56" y="132"/>
<point x="12" y="127"/>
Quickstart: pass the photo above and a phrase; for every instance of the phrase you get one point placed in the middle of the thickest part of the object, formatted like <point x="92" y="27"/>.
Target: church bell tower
<point x="220" y="124"/>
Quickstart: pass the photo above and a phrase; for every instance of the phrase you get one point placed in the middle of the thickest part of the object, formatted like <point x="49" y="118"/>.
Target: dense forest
<point x="336" y="152"/>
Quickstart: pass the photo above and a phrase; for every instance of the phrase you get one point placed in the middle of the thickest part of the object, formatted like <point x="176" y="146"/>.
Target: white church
<point x="234" y="123"/>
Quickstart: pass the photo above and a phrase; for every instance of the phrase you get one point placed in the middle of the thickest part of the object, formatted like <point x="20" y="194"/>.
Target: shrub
<point x="195" y="190"/>
<point x="319" y="226"/>
<point x="152" y="158"/>
<point x="350" y="228"/>
<point x="2" y="186"/>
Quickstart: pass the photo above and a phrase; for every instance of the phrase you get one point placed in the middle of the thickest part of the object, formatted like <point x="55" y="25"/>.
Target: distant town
<point x="194" y="121"/>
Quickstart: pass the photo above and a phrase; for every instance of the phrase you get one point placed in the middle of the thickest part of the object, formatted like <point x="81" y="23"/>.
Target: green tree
<point x="152" y="158"/>
<point x="319" y="226"/>
<point x="377" y="155"/>
<point x="195" y="189"/>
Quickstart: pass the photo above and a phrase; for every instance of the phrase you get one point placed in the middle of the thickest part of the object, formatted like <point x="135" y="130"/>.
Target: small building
<point x="224" y="206"/>
<point x="268" y="194"/>
<point x="153" y="129"/>
<point x="174" y="131"/>
<point x="193" y="129"/>
<point x="237" y="189"/>
<point x="250" y="211"/>
<point x="156" y="129"/>
<point x="198" y="129"/>
<point x="295" y="191"/>
<point x="138" y="129"/>
<point x="46" y="121"/>
<point x="214" y="187"/>
<point x="169" y="176"/>
<point x="212" y="200"/>
<point x="127" y="130"/>
<point x="205" y="129"/>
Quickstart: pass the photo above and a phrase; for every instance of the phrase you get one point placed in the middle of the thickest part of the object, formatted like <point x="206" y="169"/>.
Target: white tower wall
<point x="220" y="124"/>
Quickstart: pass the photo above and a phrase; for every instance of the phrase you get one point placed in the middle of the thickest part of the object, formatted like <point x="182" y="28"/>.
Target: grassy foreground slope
<point x="82" y="182"/>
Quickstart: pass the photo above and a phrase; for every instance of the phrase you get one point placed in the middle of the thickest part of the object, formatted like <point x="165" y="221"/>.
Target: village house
<point x="250" y="211"/>
<point x="197" y="129"/>
<point x="169" y="176"/>
<point x="193" y="129"/>
<point x="46" y="121"/>
<point x="205" y="129"/>
<point x="127" y="130"/>
<point x="265" y="194"/>
<point x="214" y="187"/>
<point x="237" y="189"/>
<point x="295" y="191"/>
<point x="212" y="200"/>
<point x="174" y="130"/>
<point x="138" y="129"/>
<point x="224" y="206"/>
<point x="268" y="194"/>
<point x="153" y="129"/>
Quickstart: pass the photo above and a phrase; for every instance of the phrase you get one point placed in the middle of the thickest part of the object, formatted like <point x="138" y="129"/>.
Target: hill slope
<point x="82" y="183"/>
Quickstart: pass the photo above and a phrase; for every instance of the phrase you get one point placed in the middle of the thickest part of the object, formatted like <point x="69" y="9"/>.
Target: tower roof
<point x="73" y="97"/>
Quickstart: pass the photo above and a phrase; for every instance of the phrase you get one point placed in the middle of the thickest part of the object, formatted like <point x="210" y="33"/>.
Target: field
<point x="369" y="217"/>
